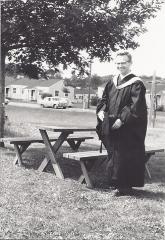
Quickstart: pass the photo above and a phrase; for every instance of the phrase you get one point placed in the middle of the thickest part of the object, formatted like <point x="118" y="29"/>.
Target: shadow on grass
<point x="140" y="193"/>
<point x="71" y="169"/>
<point x="32" y="158"/>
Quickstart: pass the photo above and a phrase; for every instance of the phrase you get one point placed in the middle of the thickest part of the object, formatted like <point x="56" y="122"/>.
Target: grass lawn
<point x="36" y="205"/>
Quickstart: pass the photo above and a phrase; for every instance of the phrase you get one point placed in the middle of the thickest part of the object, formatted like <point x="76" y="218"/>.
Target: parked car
<point x="67" y="102"/>
<point x="53" y="102"/>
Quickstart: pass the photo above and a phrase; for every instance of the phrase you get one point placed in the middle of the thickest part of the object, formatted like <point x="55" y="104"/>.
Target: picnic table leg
<point x="147" y="158"/>
<point x="52" y="150"/>
<point x="43" y="164"/>
<point x="91" y="165"/>
<point x="147" y="170"/>
<point x="74" y="145"/>
<point x="85" y="174"/>
<point x="19" y="151"/>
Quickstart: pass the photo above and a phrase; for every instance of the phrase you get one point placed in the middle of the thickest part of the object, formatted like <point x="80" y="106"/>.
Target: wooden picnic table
<point x="91" y="157"/>
<point x="51" y="149"/>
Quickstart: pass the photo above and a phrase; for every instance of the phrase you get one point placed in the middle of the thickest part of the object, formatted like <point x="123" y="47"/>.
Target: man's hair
<point x="125" y="53"/>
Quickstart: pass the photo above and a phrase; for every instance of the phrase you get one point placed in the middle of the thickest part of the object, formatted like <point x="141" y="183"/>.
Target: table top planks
<point x="66" y="129"/>
<point x="81" y="155"/>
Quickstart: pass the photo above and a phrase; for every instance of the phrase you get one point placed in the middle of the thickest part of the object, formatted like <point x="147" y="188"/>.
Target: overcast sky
<point x="150" y="56"/>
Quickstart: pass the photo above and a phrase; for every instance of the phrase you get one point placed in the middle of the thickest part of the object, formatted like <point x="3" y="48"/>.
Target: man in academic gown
<point x="123" y="101"/>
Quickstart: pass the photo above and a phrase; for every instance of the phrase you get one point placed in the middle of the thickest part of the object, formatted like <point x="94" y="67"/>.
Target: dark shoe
<point x="124" y="192"/>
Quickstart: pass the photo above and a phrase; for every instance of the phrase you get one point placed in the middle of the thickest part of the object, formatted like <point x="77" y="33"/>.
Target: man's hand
<point x="118" y="123"/>
<point x="101" y="115"/>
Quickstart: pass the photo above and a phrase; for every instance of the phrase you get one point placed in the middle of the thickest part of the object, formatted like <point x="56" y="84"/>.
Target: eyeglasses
<point x="121" y="63"/>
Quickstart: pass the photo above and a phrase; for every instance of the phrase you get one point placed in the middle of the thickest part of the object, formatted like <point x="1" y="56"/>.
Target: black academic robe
<point x="125" y="146"/>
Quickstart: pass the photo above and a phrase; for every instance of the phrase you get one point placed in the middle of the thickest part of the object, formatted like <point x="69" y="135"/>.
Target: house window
<point x="66" y="94"/>
<point x="14" y="90"/>
<point x="56" y="93"/>
<point x="22" y="91"/>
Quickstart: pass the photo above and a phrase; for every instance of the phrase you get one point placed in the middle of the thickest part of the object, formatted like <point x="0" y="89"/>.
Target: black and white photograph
<point x="82" y="119"/>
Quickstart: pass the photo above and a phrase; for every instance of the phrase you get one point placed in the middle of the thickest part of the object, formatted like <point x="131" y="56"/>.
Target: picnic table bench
<point x="22" y="143"/>
<point x="88" y="160"/>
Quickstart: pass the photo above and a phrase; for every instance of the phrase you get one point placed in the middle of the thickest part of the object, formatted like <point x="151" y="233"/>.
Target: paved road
<point x="21" y="104"/>
<point x="35" y="105"/>
<point x="63" y="114"/>
<point x="39" y="115"/>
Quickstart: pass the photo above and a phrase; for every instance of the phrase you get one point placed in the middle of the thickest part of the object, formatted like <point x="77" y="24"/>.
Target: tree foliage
<point x="29" y="70"/>
<point x="56" y="31"/>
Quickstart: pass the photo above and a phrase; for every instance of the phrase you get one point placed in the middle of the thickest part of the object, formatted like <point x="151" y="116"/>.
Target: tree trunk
<point x="3" y="54"/>
<point x="89" y="82"/>
<point x="2" y="94"/>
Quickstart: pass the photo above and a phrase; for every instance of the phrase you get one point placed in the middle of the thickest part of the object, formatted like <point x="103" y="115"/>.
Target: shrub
<point x="44" y="95"/>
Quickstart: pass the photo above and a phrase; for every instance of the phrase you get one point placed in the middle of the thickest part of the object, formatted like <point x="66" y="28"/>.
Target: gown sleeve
<point x="135" y="110"/>
<point x="102" y="104"/>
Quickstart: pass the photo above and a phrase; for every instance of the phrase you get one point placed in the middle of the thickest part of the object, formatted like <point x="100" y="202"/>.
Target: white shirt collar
<point x="125" y="75"/>
<point x="125" y="84"/>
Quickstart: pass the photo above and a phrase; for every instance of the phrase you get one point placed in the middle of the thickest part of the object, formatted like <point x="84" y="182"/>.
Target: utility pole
<point x="152" y="111"/>
<point x="89" y="86"/>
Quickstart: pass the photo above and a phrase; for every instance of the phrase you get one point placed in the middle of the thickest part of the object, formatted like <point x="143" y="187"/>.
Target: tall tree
<point x="56" y="31"/>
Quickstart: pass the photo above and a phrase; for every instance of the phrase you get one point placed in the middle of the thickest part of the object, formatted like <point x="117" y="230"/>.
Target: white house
<point x="159" y="94"/>
<point x="81" y="94"/>
<point x="31" y="89"/>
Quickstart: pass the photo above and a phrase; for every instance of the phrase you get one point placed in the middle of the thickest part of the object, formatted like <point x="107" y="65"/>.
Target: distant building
<point x="81" y="95"/>
<point x="159" y="92"/>
<point x="31" y="90"/>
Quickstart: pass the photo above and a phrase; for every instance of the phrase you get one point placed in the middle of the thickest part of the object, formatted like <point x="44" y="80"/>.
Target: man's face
<point x="123" y="64"/>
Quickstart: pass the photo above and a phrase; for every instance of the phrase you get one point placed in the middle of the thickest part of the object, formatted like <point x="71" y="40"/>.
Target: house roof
<point x="31" y="83"/>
